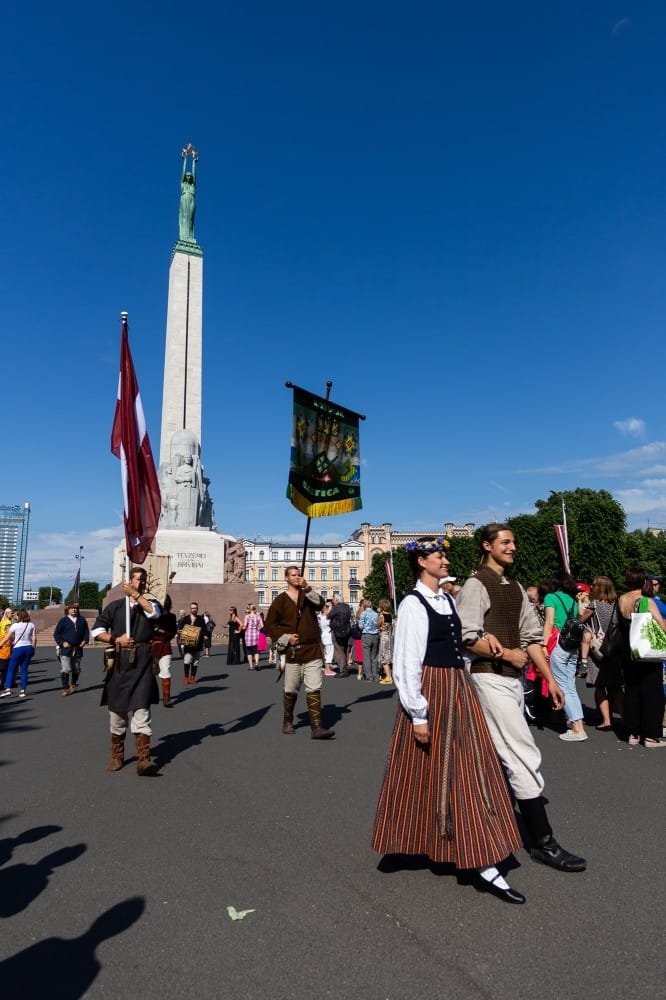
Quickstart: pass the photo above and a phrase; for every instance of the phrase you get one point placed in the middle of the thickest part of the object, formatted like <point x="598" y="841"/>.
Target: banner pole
<point x="127" y="600"/>
<point x="329" y="386"/>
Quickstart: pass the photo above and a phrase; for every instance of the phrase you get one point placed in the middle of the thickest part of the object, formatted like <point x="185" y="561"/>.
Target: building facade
<point x="14" y="522"/>
<point x="338" y="568"/>
<point x="382" y="537"/>
<point x="329" y="569"/>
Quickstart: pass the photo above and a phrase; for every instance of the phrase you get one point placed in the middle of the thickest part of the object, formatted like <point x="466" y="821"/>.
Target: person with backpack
<point x="564" y="614"/>
<point x="339" y="618"/>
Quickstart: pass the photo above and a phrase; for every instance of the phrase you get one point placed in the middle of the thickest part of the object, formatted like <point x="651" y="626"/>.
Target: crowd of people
<point x="462" y="659"/>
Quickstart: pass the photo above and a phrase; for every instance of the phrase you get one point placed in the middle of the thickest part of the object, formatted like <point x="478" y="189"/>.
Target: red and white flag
<point x="129" y="443"/>
<point x="388" y="569"/>
<point x="563" y="542"/>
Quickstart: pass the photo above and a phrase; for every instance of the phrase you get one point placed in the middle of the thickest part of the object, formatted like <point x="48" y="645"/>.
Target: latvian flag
<point x="129" y="443"/>
<point x="388" y="568"/>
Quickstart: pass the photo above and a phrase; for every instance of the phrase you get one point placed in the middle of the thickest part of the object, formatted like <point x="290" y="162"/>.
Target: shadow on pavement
<point x="8" y="845"/>
<point x="61" y="967"/>
<point x="21" y="884"/>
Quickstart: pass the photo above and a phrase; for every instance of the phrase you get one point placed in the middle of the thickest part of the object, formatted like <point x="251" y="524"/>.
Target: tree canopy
<point x="598" y="545"/>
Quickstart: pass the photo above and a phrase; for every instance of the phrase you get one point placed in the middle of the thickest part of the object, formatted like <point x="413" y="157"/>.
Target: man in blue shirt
<point x="370" y="641"/>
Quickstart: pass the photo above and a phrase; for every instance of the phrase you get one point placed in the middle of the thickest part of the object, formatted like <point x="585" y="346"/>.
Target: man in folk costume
<point x="292" y="623"/>
<point x="130" y="685"/>
<point x="502" y="632"/>
<point x="192" y="647"/>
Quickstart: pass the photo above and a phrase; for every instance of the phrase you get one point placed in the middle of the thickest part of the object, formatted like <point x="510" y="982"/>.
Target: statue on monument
<point x="181" y="482"/>
<point x="188" y="185"/>
<point x="234" y="562"/>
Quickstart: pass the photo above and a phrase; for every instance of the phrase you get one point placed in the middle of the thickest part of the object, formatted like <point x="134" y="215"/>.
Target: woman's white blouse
<point x="409" y="646"/>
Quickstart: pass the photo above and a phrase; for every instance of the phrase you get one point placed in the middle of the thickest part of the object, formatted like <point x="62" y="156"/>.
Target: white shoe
<point x="6" y="693"/>
<point x="572" y="737"/>
<point x="21" y="693"/>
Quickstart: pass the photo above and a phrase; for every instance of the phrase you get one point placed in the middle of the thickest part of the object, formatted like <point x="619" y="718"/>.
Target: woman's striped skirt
<point x="448" y="799"/>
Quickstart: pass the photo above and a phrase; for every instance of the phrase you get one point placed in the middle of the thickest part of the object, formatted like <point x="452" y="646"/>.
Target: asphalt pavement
<point x="115" y="886"/>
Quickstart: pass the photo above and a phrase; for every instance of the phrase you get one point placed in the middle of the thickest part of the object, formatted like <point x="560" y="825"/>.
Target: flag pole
<point x="395" y="603"/>
<point x="123" y="319"/>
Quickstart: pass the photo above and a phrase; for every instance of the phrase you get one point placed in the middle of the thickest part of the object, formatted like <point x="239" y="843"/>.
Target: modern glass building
<point x="13" y="547"/>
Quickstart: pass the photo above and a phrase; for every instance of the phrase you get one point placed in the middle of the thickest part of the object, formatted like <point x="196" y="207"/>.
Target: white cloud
<point x="631" y="427"/>
<point x="51" y="556"/>
<point x="620" y="26"/>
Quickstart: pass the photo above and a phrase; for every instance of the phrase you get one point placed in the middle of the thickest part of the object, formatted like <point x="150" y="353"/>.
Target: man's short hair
<point x="297" y="568"/>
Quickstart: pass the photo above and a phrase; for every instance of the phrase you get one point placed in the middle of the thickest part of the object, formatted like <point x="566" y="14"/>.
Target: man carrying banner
<point x="292" y="623"/>
<point x="130" y="685"/>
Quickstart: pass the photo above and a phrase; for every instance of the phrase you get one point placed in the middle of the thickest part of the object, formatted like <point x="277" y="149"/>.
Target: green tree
<point x="47" y="594"/>
<point x="375" y="585"/>
<point x="463" y="557"/>
<point x="88" y="595"/>
<point x="4" y="602"/>
<point x="597" y="531"/>
<point x="537" y="556"/>
<point x="104" y="591"/>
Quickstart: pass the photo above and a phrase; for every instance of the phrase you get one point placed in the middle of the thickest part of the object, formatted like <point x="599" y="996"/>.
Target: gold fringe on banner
<point x="325" y="508"/>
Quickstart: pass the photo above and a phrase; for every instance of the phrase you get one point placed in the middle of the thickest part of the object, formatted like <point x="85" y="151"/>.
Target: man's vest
<point x="502" y="620"/>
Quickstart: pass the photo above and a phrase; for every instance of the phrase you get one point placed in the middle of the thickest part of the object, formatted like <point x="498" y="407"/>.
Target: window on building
<point x="261" y="554"/>
<point x="274" y="573"/>
<point x="311" y="573"/>
<point x="336" y="593"/>
<point x="336" y="556"/>
<point x="322" y="556"/>
<point x="324" y="574"/>
<point x="336" y="573"/>
<point x="324" y="594"/>
<point x="287" y="557"/>
<point x="299" y="556"/>
<point x="274" y="594"/>
<point x="247" y="574"/>
<point x="353" y="595"/>
<point x="262" y="573"/>
<point x="261" y="596"/>
<point x="275" y="555"/>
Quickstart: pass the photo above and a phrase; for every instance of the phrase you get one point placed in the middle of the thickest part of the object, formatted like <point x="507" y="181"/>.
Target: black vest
<point x="444" y="647"/>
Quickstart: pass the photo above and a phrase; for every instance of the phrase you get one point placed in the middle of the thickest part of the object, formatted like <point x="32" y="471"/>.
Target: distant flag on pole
<point x="563" y="542"/>
<point x="388" y="569"/>
<point x="325" y="468"/>
<point x="77" y="583"/>
<point x="129" y="443"/>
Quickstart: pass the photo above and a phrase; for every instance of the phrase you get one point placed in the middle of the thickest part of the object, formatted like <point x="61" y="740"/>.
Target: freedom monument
<point x="204" y="564"/>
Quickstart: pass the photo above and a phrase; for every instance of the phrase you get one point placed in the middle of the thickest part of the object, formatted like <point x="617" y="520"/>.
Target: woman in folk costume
<point x="444" y="793"/>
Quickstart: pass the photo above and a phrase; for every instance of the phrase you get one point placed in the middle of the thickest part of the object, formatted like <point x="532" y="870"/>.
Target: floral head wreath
<point x="426" y="546"/>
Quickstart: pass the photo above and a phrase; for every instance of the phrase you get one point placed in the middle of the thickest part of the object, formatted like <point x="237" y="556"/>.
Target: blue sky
<point x="456" y="215"/>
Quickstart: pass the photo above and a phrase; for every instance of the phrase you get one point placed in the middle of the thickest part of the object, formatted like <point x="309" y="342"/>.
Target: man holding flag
<point x="127" y="623"/>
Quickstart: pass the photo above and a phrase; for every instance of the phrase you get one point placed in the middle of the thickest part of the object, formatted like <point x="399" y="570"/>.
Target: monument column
<point x="181" y="397"/>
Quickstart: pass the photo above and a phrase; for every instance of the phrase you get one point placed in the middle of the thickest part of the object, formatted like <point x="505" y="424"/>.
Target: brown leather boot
<point x="166" y="692"/>
<point x="144" y="764"/>
<point x="288" y="702"/>
<point x="117" y="753"/>
<point x="314" y="708"/>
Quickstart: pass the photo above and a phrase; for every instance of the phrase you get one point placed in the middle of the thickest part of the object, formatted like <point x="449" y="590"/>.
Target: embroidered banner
<point x="325" y="470"/>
